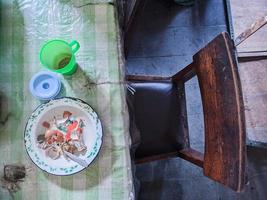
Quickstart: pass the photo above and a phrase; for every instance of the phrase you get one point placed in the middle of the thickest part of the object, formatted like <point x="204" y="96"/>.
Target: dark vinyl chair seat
<point x="156" y="111"/>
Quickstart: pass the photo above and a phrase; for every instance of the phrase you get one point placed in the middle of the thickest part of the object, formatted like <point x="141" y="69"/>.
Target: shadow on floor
<point x="176" y="179"/>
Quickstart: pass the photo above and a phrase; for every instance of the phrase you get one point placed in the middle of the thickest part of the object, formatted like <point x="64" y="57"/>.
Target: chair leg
<point x="182" y="120"/>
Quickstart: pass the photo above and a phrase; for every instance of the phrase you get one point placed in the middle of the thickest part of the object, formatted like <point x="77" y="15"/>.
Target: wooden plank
<point x="182" y="120"/>
<point x="251" y="30"/>
<point x="245" y="13"/>
<point x="185" y="74"/>
<point x="256" y="43"/>
<point x="192" y="156"/>
<point x="225" y="149"/>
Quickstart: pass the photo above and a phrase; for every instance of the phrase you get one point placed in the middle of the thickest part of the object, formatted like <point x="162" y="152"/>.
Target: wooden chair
<point x="159" y="127"/>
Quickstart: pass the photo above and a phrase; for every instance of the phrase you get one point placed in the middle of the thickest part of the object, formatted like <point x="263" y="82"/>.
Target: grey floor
<point x="161" y="41"/>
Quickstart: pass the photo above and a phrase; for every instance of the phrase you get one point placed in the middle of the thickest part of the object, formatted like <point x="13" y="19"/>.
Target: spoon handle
<point x="76" y="159"/>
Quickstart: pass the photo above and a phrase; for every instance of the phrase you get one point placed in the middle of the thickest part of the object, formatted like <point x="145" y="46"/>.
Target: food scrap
<point x="62" y="135"/>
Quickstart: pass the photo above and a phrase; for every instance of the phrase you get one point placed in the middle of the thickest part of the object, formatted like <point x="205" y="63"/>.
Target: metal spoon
<point x="76" y="159"/>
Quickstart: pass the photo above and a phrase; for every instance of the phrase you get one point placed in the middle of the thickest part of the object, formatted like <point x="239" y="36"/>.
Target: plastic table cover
<point x="25" y="26"/>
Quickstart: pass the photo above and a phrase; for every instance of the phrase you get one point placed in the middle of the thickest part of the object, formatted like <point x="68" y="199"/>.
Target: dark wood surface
<point x="192" y="156"/>
<point x="182" y="121"/>
<point x="224" y="119"/>
<point x="185" y="74"/>
<point x="216" y="68"/>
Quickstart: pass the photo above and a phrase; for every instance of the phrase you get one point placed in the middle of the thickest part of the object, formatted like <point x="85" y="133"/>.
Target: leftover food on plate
<point x="62" y="135"/>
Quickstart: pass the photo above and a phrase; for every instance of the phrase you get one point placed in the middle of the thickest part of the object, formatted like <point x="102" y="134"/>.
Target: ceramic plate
<point x="92" y="134"/>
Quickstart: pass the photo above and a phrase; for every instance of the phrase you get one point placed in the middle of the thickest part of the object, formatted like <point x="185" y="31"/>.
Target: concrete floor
<point x="176" y="179"/>
<point x="161" y="41"/>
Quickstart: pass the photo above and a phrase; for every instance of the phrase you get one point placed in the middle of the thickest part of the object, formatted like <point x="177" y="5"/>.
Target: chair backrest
<point x="225" y="149"/>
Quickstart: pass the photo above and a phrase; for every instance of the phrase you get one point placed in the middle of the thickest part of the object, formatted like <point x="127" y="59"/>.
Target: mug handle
<point x="74" y="46"/>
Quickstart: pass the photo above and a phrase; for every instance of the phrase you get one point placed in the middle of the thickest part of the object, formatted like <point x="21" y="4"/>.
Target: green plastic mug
<point x="58" y="56"/>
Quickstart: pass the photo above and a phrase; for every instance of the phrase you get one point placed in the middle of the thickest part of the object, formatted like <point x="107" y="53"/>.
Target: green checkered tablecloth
<point x="25" y="26"/>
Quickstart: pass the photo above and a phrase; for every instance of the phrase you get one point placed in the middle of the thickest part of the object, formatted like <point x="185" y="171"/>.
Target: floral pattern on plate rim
<point x="32" y="121"/>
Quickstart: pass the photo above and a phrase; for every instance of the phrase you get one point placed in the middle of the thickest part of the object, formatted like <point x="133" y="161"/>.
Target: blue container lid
<point x="45" y="85"/>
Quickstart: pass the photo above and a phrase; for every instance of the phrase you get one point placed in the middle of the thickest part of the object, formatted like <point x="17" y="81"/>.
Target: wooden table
<point x="25" y="26"/>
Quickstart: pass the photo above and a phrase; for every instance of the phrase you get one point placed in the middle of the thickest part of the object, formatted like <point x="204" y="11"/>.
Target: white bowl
<point x="92" y="134"/>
